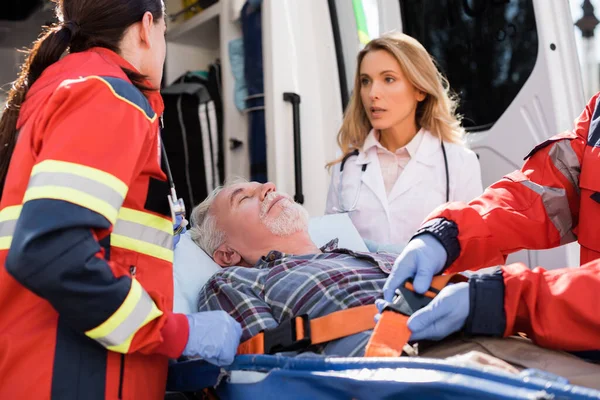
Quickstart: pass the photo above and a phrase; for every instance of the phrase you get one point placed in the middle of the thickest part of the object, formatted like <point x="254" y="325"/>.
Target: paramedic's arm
<point x="332" y="193"/>
<point x="536" y="207"/>
<point x="556" y="309"/>
<point x="91" y="147"/>
<point x="236" y="295"/>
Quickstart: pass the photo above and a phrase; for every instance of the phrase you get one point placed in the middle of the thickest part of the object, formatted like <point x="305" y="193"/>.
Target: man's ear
<point x="146" y="29"/>
<point x="225" y="256"/>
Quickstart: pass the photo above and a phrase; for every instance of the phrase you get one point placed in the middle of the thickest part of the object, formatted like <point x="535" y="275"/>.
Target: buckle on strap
<point x="285" y="336"/>
<point x="407" y="302"/>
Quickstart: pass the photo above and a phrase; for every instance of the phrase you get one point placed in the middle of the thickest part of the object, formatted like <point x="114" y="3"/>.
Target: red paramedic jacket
<point x="554" y="199"/>
<point x="86" y="238"/>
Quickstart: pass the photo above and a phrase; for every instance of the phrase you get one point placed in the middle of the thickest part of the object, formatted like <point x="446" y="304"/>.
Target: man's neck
<point x="297" y="244"/>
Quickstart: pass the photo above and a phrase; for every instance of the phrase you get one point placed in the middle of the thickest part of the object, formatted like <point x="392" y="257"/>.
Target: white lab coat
<point x="420" y="188"/>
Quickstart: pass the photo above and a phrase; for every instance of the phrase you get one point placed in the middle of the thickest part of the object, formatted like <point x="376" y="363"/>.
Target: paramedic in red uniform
<point x="554" y="199"/>
<point x="86" y="235"/>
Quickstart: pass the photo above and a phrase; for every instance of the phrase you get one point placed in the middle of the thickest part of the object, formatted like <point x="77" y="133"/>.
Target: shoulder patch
<point x="128" y="93"/>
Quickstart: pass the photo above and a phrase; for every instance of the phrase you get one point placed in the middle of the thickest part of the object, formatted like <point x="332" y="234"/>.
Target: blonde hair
<point x="436" y="113"/>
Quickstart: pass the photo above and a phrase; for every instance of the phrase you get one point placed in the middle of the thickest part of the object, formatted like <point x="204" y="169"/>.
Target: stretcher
<point x="277" y="377"/>
<point x="319" y="377"/>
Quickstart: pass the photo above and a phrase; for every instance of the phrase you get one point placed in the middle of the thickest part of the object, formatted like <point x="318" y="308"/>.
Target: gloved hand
<point x="214" y="336"/>
<point x="446" y="314"/>
<point x="179" y="221"/>
<point x="422" y="258"/>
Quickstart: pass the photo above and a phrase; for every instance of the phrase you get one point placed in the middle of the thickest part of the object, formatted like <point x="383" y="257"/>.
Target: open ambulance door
<point x="303" y="107"/>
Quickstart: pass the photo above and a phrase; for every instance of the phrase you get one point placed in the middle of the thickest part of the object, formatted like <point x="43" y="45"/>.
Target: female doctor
<point x="401" y="142"/>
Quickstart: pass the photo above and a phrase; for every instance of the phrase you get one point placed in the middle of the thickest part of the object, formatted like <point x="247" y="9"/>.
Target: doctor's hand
<point x="214" y="336"/>
<point x="422" y="258"/>
<point x="446" y="314"/>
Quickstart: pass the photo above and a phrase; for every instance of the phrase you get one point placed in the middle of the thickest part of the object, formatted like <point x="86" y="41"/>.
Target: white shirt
<point x="392" y="218"/>
<point x="392" y="164"/>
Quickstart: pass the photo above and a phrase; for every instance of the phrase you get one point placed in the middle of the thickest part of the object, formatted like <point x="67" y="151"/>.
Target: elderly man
<point x="275" y="272"/>
<point x="251" y="225"/>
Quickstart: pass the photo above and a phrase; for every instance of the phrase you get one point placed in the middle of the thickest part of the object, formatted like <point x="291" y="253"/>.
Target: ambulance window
<point x="486" y="48"/>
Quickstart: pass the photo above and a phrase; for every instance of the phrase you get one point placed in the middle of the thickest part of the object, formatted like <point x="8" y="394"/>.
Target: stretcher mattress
<point x="276" y="377"/>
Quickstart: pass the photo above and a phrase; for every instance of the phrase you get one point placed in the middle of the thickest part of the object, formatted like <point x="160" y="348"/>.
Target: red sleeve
<point x="91" y="144"/>
<point x="536" y="207"/>
<point x="557" y="309"/>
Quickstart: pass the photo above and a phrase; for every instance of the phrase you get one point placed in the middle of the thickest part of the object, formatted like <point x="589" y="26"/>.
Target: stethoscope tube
<point x="364" y="168"/>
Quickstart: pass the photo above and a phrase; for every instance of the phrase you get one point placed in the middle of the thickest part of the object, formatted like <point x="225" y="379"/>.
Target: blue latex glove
<point x="178" y="221"/>
<point x="214" y="336"/>
<point x="446" y="314"/>
<point x="422" y="258"/>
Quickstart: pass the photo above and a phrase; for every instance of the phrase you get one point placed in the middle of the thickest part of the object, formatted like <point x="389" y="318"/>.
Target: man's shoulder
<point x="230" y="275"/>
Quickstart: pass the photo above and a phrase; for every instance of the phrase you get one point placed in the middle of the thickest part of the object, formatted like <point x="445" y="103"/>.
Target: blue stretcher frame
<point x="369" y="378"/>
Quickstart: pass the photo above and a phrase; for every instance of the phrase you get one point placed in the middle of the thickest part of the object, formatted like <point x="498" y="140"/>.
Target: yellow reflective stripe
<point x="118" y="96"/>
<point x="5" y="242"/>
<point x="10" y="213"/>
<point x="124" y="347"/>
<point x="84" y="171"/>
<point x="85" y="186"/>
<point x="73" y="196"/>
<point x="143" y="233"/>
<point x="142" y="247"/>
<point x="8" y="221"/>
<point x="118" y="330"/>
<point x="140" y="217"/>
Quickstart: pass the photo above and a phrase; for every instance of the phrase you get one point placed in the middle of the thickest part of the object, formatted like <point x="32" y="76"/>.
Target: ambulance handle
<point x="294" y="98"/>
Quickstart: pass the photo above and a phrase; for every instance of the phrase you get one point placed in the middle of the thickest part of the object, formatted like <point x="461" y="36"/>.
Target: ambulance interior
<point x="270" y="88"/>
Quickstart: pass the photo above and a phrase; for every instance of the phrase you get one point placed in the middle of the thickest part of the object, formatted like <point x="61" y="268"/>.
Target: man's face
<point x="255" y="218"/>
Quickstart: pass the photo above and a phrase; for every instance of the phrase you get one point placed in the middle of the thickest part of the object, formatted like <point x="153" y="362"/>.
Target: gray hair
<point x="204" y="230"/>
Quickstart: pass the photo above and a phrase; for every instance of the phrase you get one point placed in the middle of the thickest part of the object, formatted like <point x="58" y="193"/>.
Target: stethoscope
<point x="342" y="209"/>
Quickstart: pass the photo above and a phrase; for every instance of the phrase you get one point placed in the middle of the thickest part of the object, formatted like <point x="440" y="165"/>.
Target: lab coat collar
<point x="430" y="145"/>
<point x="372" y="140"/>
<point x="421" y="148"/>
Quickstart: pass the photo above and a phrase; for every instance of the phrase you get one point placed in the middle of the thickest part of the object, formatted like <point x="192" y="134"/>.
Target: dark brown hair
<point x="83" y="24"/>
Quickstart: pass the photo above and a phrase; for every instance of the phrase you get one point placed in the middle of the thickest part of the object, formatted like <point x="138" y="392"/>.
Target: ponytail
<point x="47" y="50"/>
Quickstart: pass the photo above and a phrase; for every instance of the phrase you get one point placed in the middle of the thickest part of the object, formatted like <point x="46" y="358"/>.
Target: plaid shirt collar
<point x="275" y="257"/>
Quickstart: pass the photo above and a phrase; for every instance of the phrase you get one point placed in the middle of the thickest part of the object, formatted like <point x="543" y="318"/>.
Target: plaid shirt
<point x="282" y="286"/>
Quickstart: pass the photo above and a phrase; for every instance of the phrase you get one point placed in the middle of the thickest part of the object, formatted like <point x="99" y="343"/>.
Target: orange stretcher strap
<point x="333" y="326"/>
<point x="391" y="333"/>
<point x="389" y="337"/>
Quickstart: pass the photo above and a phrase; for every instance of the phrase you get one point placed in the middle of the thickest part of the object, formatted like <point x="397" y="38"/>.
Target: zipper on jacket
<point x="132" y="270"/>
<point x="121" y="376"/>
